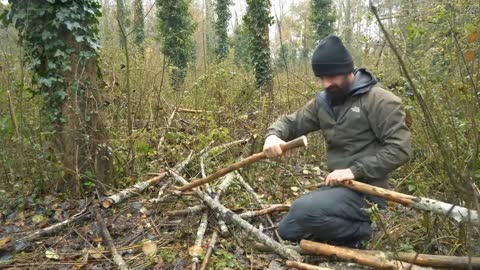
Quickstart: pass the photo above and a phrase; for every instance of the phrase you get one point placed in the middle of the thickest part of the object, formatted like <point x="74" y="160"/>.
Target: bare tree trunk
<point x="82" y="141"/>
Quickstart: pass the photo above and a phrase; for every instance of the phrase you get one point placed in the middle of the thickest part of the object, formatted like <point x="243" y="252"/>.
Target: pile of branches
<point x="214" y="214"/>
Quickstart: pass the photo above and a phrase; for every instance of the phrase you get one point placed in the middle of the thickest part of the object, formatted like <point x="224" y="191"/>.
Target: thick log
<point x="107" y="238"/>
<point x="451" y="262"/>
<point x="459" y="213"/>
<point x="355" y="256"/>
<point x="440" y="261"/>
<point x="228" y="215"/>
<point x="304" y="266"/>
<point x="299" y="142"/>
<point x="139" y="187"/>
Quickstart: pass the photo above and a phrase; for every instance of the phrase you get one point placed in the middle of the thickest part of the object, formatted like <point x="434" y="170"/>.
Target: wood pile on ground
<point x="181" y="223"/>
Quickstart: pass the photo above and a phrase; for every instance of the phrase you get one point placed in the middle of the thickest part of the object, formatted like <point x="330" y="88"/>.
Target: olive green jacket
<point x="367" y="133"/>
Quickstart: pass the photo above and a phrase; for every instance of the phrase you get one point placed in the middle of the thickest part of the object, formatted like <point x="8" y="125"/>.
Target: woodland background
<point x="88" y="88"/>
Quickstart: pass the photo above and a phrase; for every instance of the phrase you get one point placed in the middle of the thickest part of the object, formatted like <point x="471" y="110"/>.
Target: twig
<point x="196" y="249"/>
<point x="169" y="123"/>
<point x="22" y="243"/>
<point x="259" y="202"/>
<point x="139" y="187"/>
<point x="192" y="111"/>
<point x="234" y="218"/>
<point x="220" y="191"/>
<point x="304" y="266"/>
<point x="273" y="208"/>
<point x="187" y="211"/>
<point x="117" y="258"/>
<point x="211" y="246"/>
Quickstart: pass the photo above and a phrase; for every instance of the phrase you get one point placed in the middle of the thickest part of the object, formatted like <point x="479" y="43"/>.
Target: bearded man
<point x="367" y="138"/>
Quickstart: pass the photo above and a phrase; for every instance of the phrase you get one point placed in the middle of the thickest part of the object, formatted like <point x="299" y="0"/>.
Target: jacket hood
<point x="363" y="81"/>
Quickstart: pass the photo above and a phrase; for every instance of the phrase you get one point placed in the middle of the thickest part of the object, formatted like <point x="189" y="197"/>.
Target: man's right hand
<point x="271" y="147"/>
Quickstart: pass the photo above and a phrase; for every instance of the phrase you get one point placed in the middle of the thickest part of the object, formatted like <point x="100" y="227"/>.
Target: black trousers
<point x="330" y="214"/>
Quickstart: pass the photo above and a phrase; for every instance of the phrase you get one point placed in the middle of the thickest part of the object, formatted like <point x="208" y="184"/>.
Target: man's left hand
<point x="337" y="176"/>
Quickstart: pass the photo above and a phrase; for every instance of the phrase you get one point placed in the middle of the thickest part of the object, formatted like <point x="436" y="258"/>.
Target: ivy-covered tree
<point x="322" y="17"/>
<point x="176" y="30"/>
<point x="123" y="22"/>
<point x="257" y="21"/>
<point x="221" y="26"/>
<point x="139" y="22"/>
<point x="61" y="41"/>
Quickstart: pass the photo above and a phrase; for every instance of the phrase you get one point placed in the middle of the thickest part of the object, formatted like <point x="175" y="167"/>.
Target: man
<point x="367" y="139"/>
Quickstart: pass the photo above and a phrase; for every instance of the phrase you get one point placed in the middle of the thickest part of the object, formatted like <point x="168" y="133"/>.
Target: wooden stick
<point x="139" y="187"/>
<point x="299" y="142"/>
<point x="451" y="262"/>
<point x="271" y="209"/>
<point x="187" y="211"/>
<point x="460" y="214"/>
<point x="304" y="266"/>
<point x="228" y="215"/>
<point x="354" y="256"/>
<point x="259" y="202"/>
<point x="211" y="246"/>
<point x="169" y="123"/>
<point x="221" y="189"/>
<point x="23" y="243"/>
<point x="196" y="249"/>
<point x="107" y="238"/>
<point x="192" y="111"/>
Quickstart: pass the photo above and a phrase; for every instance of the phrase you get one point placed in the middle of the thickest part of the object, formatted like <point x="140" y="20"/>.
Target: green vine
<point x="42" y="26"/>
<point x="322" y="18"/>
<point x="176" y="29"/>
<point x="221" y="27"/>
<point x="139" y="22"/>
<point x="257" y="21"/>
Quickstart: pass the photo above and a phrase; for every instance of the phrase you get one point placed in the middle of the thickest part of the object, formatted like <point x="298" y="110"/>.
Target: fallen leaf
<point x="37" y="219"/>
<point x="469" y="55"/>
<point x="149" y="248"/>
<point x="51" y="254"/>
<point x="159" y="263"/>
<point x="472" y="37"/>
<point x="294" y="189"/>
<point x="195" y="251"/>
<point x="4" y="242"/>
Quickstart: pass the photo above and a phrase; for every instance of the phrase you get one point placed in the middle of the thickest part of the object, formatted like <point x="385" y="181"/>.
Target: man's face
<point x="337" y="86"/>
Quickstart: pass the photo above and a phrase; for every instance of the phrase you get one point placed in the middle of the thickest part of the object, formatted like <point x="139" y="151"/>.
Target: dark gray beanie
<point x="331" y="58"/>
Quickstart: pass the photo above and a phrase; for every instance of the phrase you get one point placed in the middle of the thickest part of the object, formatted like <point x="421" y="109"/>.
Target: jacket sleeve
<point x="387" y="120"/>
<point x="296" y="124"/>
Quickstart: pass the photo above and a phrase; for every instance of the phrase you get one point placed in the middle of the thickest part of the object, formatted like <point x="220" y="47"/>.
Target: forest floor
<point x="149" y="236"/>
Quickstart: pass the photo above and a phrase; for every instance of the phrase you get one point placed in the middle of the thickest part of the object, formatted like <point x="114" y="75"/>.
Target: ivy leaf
<point x="79" y="38"/>
<point x="61" y="94"/>
<point x="46" y="81"/>
<point x="72" y="25"/>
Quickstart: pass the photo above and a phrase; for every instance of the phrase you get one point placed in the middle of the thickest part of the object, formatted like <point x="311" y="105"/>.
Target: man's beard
<point x="338" y="93"/>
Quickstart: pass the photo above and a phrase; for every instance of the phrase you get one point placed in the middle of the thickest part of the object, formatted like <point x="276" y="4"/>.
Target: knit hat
<point x="331" y="58"/>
